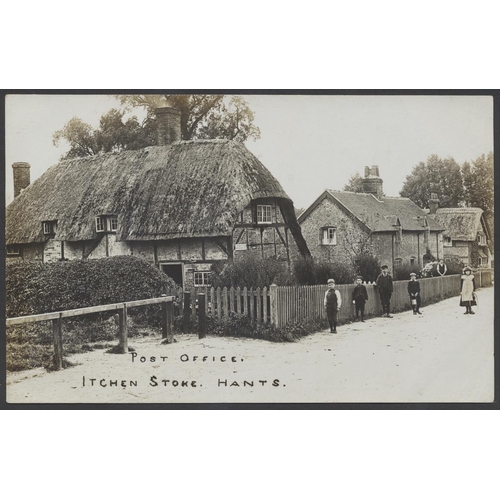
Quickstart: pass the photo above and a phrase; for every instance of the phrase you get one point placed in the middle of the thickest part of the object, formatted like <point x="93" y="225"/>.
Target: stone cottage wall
<point x="349" y="232"/>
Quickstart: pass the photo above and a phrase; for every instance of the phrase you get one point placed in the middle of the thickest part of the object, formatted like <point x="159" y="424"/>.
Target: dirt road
<point x="441" y="356"/>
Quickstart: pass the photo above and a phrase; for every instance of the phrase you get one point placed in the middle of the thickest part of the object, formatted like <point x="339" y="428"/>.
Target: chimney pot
<point x="21" y="174"/>
<point x="372" y="183"/>
<point x="433" y="203"/>
<point x="168" y="125"/>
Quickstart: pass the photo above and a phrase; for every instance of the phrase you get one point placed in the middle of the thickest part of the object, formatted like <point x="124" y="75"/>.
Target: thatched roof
<point x="461" y="223"/>
<point x="187" y="189"/>
<point x="386" y="214"/>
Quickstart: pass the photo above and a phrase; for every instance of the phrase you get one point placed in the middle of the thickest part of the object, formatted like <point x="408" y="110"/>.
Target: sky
<point x="309" y="143"/>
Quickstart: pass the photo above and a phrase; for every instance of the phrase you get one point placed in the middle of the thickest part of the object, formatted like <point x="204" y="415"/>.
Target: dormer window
<point x="99" y="224"/>
<point x="13" y="250"/>
<point x="49" y="227"/>
<point x="264" y="214"/>
<point x="106" y="224"/>
<point x="481" y="239"/>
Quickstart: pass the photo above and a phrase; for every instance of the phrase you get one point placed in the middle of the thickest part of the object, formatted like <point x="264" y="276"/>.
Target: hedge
<point x="35" y="288"/>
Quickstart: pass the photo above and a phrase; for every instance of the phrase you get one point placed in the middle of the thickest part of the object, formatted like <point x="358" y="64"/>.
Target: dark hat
<point x="359" y="278"/>
<point x="413" y="274"/>
<point x="384" y="267"/>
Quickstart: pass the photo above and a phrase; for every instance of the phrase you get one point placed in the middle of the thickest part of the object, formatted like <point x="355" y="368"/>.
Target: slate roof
<point x="385" y="214"/>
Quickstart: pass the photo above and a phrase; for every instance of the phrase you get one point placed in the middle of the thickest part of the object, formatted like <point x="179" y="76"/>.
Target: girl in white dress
<point x="467" y="292"/>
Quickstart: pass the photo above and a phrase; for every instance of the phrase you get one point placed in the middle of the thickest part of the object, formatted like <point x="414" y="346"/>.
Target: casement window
<point x="202" y="278"/>
<point x="264" y="214"/>
<point x="49" y="227"/>
<point x="328" y="236"/>
<point x="412" y="260"/>
<point x="398" y="262"/>
<point x="99" y="224"/>
<point x="481" y="239"/>
<point x="447" y="241"/>
<point x="13" y="250"/>
<point x="106" y="224"/>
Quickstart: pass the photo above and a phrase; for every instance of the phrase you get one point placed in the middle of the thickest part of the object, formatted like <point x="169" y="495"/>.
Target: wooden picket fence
<point x="284" y="304"/>
<point x="221" y="302"/>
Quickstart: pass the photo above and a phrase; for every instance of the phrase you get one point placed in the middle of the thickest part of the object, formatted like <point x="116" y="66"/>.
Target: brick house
<point x="466" y="236"/>
<point x="181" y="205"/>
<point x="341" y="224"/>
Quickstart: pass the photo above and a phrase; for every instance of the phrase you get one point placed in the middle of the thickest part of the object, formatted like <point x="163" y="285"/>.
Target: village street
<point x="441" y="356"/>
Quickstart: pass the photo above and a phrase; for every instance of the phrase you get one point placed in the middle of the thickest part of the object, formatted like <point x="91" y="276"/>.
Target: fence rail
<point x="120" y="308"/>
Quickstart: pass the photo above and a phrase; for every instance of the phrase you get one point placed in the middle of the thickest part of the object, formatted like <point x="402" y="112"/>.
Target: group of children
<point x="333" y="300"/>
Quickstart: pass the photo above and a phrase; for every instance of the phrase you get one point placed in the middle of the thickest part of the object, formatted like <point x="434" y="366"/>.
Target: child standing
<point x="332" y="305"/>
<point x="468" y="289"/>
<point x="414" y="293"/>
<point x="359" y="297"/>
<point x="441" y="268"/>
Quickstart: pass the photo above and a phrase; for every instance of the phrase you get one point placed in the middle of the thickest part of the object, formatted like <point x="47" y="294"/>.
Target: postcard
<point x="251" y="248"/>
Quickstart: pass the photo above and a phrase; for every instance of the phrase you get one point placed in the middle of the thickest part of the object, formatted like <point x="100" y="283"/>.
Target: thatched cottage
<point x="466" y="236"/>
<point x="182" y="205"/>
<point x="342" y="224"/>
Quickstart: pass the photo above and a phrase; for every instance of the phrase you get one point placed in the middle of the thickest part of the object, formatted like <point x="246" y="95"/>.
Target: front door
<point x="174" y="271"/>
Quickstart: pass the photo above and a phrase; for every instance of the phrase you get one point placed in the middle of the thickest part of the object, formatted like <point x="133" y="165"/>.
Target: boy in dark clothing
<point x="359" y="297"/>
<point x="332" y="303"/>
<point x="385" y="288"/>
<point x="414" y="293"/>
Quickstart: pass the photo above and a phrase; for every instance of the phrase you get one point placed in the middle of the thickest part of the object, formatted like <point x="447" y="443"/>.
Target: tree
<point x="479" y="189"/>
<point x="113" y="134"/>
<point x="440" y="176"/>
<point x="203" y="116"/>
<point x="478" y="183"/>
<point x="354" y="184"/>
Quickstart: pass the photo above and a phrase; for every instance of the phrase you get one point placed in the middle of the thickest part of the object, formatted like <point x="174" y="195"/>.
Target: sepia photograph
<point x="249" y="248"/>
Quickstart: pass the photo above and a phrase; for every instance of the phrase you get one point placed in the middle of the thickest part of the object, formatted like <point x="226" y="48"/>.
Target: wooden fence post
<point x="123" y="331"/>
<point x="167" y="314"/>
<point x="273" y="293"/>
<point x="186" y="312"/>
<point x="202" y="324"/>
<point x="58" y="353"/>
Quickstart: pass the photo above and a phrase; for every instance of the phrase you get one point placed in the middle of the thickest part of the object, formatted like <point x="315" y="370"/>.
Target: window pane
<point x="264" y="213"/>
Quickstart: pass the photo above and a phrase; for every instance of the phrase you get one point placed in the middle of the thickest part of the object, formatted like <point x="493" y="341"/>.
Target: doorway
<point x="174" y="271"/>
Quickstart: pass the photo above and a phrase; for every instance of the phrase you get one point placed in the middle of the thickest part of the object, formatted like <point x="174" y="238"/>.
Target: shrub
<point x="251" y="271"/>
<point x="240" y="326"/>
<point x="34" y="288"/>
<point x="454" y="266"/>
<point x="402" y="272"/>
<point x="368" y="266"/>
<point x="310" y="272"/>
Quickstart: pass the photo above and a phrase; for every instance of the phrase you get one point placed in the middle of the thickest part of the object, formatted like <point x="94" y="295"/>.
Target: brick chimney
<point x="168" y="125"/>
<point x="372" y="183"/>
<point x="21" y="173"/>
<point x="433" y="203"/>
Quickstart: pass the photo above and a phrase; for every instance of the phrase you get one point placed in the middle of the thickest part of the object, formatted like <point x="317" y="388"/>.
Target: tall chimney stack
<point x="21" y="172"/>
<point x="433" y="203"/>
<point x="168" y="125"/>
<point x="372" y="183"/>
